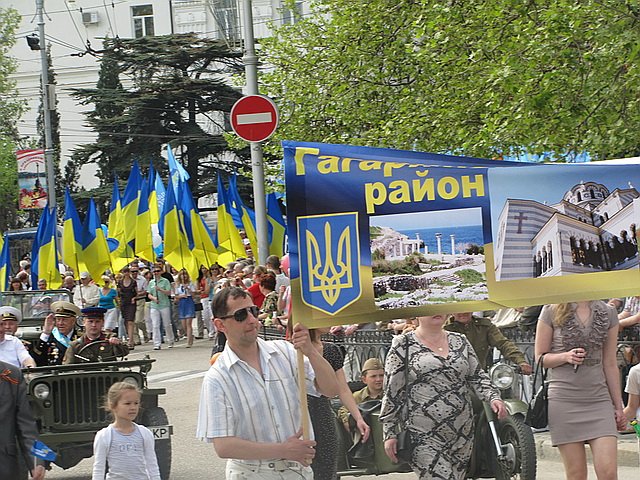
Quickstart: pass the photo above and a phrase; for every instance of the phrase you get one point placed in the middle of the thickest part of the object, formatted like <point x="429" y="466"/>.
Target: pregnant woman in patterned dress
<point x="443" y="373"/>
<point x="579" y="341"/>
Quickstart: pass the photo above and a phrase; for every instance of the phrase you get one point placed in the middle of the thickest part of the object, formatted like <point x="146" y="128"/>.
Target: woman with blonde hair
<point x="108" y="296"/>
<point x="577" y="342"/>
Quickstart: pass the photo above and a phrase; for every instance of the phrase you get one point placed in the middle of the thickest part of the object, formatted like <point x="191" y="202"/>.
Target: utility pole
<point x="250" y="61"/>
<point x="46" y="108"/>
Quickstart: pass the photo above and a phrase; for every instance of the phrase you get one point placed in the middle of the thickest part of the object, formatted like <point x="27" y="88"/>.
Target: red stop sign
<point x="254" y="118"/>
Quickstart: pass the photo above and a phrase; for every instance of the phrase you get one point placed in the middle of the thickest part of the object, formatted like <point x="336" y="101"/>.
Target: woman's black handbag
<point x="404" y="446"/>
<point x="537" y="413"/>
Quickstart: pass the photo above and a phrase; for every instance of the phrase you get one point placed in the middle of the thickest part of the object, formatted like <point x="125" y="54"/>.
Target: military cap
<point x="10" y="313"/>
<point x="372" y="364"/>
<point x="62" y="308"/>
<point x="93" y="312"/>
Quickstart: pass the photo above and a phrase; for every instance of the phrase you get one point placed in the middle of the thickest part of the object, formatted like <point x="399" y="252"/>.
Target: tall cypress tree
<point x="180" y="94"/>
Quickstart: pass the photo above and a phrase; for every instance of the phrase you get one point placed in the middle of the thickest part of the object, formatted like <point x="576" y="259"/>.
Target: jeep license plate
<point x="161" y="433"/>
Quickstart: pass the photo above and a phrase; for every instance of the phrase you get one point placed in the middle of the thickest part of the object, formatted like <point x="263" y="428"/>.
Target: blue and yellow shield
<point x="329" y="261"/>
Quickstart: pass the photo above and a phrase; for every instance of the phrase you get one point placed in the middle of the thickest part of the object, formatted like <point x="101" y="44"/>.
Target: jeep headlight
<point x="131" y="380"/>
<point x="41" y="391"/>
<point x="502" y="376"/>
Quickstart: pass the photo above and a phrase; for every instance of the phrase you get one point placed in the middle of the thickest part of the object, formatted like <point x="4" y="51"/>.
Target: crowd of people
<point x="427" y="383"/>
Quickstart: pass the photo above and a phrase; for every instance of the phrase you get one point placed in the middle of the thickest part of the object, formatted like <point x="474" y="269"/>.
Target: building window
<point x="142" y="21"/>
<point x="289" y="17"/>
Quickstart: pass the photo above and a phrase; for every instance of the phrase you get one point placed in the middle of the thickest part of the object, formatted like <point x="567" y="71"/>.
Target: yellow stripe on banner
<point x="561" y="289"/>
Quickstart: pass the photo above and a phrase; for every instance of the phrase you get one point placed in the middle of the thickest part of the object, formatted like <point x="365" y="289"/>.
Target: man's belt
<point x="275" y="465"/>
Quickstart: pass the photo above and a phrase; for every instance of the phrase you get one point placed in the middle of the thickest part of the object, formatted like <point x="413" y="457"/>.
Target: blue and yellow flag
<point x="71" y="235"/>
<point x="5" y="263"/>
<point x="154" y="209"/>
<point x="44" y="256"/>
<point x="200" y="237"/>
<point x="129" y="202"/>
<point x="230" y="244"/>
<point x="176" y="246"/>
<point x="247" y="215"/>
<point x="143" y="239"/>
<point x="185" y="205"/>
<point x="120" y="251"/>
<point x="277" y="224"/>
<point x="95" y="252"/>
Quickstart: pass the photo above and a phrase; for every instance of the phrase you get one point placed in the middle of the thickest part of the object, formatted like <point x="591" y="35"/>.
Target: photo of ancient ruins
<point x="427" y="257"/>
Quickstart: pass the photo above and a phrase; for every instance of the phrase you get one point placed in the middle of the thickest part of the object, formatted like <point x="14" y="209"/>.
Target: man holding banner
<point x="249" y="404"/>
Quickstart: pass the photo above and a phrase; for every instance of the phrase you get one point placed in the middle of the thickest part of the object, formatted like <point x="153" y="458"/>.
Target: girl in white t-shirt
<point x="125" y="448"/>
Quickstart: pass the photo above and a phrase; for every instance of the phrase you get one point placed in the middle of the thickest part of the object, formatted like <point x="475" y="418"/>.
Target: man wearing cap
<point x="58" y="331"/>
<point x="12" y="350"/>
<point x="372" y="377"/>
<point x="100" y="347"/>
<point x="87" y="294"/>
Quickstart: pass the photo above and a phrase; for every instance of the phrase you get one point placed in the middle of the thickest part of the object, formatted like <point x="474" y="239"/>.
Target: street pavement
<point x="180" y="371"/>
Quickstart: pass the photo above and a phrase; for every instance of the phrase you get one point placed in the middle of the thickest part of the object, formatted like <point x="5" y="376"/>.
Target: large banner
<point x="377" y="234"/>
<point x="32" y="179"/>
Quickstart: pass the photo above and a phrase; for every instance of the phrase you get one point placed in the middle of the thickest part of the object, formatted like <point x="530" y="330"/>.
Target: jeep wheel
<point x="153" y="417"/>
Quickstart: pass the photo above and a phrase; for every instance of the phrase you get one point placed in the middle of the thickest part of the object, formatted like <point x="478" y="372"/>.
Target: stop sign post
<point x="254" y="118"/>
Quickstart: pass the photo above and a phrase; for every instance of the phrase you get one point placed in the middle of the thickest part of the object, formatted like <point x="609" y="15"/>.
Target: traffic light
<point x="33" y="41"/>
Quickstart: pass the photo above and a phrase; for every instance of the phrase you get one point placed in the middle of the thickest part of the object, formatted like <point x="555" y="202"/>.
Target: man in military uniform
<point x="482" y="335"/>
<point x="58" y="331"/>
<point x="373" y="378"/>
<point x="100" y="347"/>
<point x="12" y="349"/>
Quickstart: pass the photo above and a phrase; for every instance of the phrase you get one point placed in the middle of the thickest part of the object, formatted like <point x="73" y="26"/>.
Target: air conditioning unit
<point x="89" y="18"/>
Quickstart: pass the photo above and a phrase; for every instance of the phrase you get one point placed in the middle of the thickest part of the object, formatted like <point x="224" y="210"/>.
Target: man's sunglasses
<point x="242" y="314"/>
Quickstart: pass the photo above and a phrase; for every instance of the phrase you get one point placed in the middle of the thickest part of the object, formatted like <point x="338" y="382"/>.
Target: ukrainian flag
<point x="71" y="235"/>
<point x="230" y="244"/>
<point x="143" y="239"/>
<point x="201" y="242"/>
<point x="130" y="202"/>
<point x="154" y="210"/>
<point x="95" y="251"/>
<point x="5" y="264"/>
<point x="44" y="256"/>
<point x="277" y="224"/>
<point x="121" y="254"/>
<point x="185" y="205"/>
<point x="247" y="216"/>
<point x="176" y="246"/>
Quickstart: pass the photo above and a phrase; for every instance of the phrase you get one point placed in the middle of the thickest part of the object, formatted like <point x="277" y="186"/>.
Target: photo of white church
<point x="591" y="229"/>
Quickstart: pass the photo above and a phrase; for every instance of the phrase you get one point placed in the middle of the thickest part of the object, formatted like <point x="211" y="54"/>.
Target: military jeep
<point x="67" y="400"/>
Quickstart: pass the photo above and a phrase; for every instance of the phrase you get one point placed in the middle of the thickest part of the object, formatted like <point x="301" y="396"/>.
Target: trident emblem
<point x="329" y="278"/>
<point x="329" y="261"/>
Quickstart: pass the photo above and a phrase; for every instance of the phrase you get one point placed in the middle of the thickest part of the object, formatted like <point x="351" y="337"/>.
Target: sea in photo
<point x="464" y="236"/>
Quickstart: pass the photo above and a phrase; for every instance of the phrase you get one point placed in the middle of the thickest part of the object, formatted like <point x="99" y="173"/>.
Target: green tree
<point x="11" y="217"/>
<point x="10" y="108"/>
<point x="177" y="83"/>
<point x="474" y="77"/>
<point x="10" y="111"/>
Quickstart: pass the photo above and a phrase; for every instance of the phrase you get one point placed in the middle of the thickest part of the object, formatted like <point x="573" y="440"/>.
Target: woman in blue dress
<point x="185" y="289"/>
